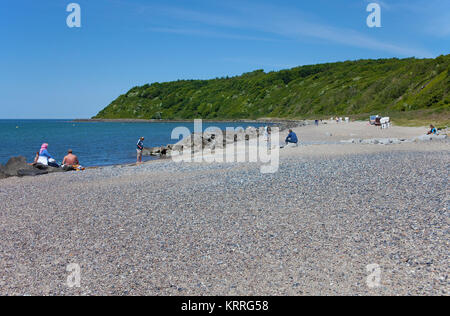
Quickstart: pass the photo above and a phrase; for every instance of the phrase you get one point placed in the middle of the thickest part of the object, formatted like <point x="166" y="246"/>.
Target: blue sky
<point x="51" y="71"/>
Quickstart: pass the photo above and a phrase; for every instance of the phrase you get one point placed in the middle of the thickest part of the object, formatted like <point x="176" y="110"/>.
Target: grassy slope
<point x="404" y="89"/>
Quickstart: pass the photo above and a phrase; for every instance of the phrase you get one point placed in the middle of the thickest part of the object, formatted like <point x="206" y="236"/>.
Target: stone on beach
<point x="18" y="167"/>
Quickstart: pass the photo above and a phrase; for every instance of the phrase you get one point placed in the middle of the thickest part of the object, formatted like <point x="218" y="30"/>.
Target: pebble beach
<point x="166" y="228"/>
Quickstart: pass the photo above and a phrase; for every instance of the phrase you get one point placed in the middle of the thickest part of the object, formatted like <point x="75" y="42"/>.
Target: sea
<point x="95" y="143"/>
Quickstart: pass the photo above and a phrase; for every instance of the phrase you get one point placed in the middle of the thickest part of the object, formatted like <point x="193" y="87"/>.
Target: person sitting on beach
<point x="291" y="138"/>
<point x="71" y="159"/>
<point x="140" y="148"/>
<point x="45" y="158"/>
<point x="433" y="130"/>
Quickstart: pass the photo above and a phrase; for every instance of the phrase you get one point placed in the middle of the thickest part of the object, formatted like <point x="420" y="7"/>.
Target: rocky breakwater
<point x="207" y="140"/>
<point x="217" y="139"/>
<point x="18" y="167"/>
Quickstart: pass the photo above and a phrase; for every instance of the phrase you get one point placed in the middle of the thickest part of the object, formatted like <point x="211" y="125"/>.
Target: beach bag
<point x="79" y="168"/>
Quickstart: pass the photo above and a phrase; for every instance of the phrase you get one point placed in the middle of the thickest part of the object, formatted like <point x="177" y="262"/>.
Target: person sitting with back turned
<point x="433" y="130"/>
<point x="70" y="159"/>
<point x="291" y="138"/>
<point x="45" y="158"/>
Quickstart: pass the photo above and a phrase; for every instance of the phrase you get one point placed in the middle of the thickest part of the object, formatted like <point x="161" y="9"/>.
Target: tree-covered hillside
<point x="344" y="88"/>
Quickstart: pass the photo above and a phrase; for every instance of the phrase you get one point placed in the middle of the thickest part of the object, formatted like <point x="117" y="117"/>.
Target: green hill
<point x="344" y="88"/>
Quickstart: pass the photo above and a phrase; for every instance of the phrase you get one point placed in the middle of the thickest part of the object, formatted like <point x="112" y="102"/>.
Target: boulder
<point x="370" y="141"/>
<point x="177" y="148"/>
<point x="384" y="141"/>
<point x="147" y="151"/>
<point x="153" y="151"/>
<point x="163" y="151"/>
<point x="14" y="165"/>
<point x="31" y="172"/>
<point x="251" y="131"/>
<point x="18" y="167"/>
<point x="56" y="170"/>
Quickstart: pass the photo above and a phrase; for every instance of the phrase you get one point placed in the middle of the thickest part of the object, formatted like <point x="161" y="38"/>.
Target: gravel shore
<point x="168" y="228"/>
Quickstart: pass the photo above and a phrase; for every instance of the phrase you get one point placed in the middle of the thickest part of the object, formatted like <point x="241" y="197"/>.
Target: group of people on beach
<point x="43" y="157"/>
<point x="71" y="162"/>
<point x="291" y="139"/>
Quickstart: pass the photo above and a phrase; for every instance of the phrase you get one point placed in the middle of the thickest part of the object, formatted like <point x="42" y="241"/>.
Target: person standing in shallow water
<point x="139" y="149"/>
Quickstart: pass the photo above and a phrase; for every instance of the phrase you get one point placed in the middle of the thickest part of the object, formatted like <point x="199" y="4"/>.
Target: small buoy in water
<point x="17" y="126"/>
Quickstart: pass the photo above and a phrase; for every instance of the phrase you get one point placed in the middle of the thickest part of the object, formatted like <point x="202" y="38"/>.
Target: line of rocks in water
<point x="211" y="140"/>
<point x="392" y="141"/>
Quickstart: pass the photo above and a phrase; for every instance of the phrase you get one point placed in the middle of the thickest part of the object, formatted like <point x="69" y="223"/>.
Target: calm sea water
<point x="95" y="143"/>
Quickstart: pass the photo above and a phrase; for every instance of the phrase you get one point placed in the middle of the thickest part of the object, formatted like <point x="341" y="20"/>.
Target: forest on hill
<point x="342" y="88"/>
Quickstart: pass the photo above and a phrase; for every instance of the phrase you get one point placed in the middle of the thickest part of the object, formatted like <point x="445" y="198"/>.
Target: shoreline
<point x="327" y="133"/>
<point x="304" y="151"/>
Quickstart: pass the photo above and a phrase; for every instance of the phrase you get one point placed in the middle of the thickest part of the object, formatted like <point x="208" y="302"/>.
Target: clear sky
<point x="48" y="70"/>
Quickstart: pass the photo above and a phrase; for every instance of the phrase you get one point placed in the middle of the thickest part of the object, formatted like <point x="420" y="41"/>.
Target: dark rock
<point x="31" y="172"/>
<point x="56" y="170"/>
<point x="18" y="167"/>
<point x="177" y="148"/>
<point x="163" y="151"/>
<point x="14" y="165"/>
<point x="153" y="151"/>
<point x="147" y="151"/>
